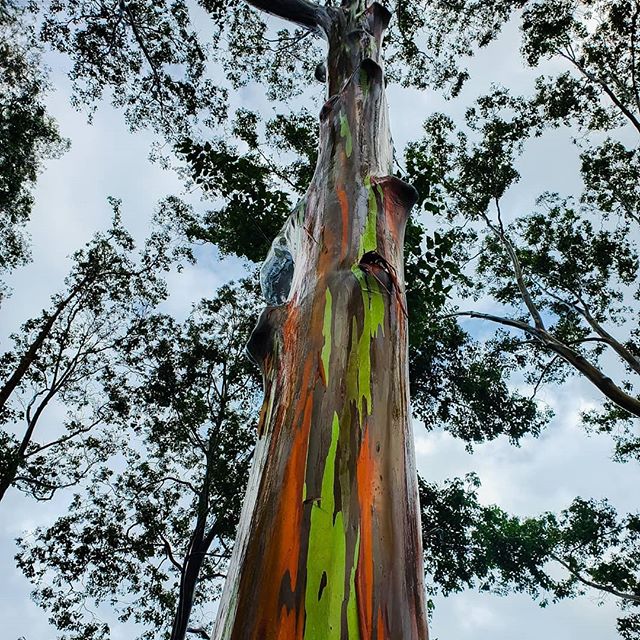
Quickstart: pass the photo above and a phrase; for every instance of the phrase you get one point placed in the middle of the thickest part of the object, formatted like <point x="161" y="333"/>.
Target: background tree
<point x="552" y="263"/>
<point x="61" y="355"/>
<point x="562" y="278"/>
<point x="571" y="266"/>
<point x="151" y="534"/>
<point x="586" y="548"/>
<point x="148" y="55"/>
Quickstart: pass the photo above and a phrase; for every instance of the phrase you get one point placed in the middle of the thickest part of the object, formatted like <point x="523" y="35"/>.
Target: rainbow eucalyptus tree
<point x="329" y="540"/>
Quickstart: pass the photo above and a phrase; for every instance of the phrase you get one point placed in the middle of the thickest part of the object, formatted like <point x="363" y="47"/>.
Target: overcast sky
<point x="543" y="474"/>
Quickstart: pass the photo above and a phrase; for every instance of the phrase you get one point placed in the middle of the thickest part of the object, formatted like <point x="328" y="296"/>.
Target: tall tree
<point x="329" y="540"/>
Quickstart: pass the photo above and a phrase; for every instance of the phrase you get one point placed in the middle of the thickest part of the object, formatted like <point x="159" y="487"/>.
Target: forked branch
<point x="603" y="382"/>
<point x="632" y="597"/>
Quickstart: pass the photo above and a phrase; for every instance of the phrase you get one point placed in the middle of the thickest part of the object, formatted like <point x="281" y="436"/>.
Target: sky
<point x="543" y="474"/>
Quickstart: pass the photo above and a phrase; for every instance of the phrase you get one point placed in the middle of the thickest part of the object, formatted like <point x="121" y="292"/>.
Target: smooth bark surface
<point x="329" y="540"/>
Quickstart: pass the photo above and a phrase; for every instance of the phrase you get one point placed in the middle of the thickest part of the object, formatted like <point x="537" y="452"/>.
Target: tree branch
<point x="604" y="86"/>
<point x="634" y="80"/>
<point x="169" y="553"/>
<point x="595" y="585"/>
<point x="517" y="268"/>
<point x="29" y="356"/>
<point x="509" y="322"/>
<point x="603" y="382"/>
<point x="306" y="14"/>
<point x="605" y="336"/>
<point x="546" y="370"/>
<point x="618" y="347"/>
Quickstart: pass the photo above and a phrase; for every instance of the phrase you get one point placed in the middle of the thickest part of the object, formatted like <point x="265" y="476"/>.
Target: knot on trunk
<point x="261" y="341"/>
<point x="372" y="263"/>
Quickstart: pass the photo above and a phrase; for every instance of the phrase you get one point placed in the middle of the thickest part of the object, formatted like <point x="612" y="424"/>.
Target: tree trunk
<point x="30" y="355"/>
<point x="201" y="538"/>
<point x="189" y="579"/>
<point x="329" y="539"/>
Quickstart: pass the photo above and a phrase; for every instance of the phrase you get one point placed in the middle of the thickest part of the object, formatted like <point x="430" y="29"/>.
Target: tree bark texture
<point x="329" y="540"/>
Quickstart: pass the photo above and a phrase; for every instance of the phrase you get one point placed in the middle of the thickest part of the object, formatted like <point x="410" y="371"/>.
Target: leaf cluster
<point x="585" y="547"/>
<point x="28" y="134"/>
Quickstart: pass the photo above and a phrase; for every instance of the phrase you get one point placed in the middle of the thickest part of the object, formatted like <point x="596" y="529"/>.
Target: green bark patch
<point x="326" y="559"/>
<point x="359" y="369"/>
<point x="345" y="132"/>
<point x="369" y="240"/>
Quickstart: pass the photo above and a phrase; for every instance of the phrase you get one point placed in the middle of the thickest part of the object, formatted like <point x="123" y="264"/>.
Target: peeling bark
<point x="329" y="541"/>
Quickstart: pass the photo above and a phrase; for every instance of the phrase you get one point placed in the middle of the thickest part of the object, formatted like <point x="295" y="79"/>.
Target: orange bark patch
<point x="283" y="551"/>
<point x="287" y="625"/>
<point x="364" y="573"/>
<point x="290" y="328"/>
<point x="381" y="633"/>
<point x="322" y="374"/>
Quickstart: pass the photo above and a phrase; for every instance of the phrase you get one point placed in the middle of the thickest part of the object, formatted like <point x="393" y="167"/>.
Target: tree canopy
<point x="28" y="135"/>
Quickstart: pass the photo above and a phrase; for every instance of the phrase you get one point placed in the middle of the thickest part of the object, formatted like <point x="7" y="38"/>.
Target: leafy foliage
<point x="596" y="41"/>
<point x="569" y="264"/>
<point x="585" y="547"/>
<point x="28" y="135"/>
<point x="147" y="54"/>
<point x="253" y="211"/>
<point x="557" y="275"/>
<point x="60" y="356"/>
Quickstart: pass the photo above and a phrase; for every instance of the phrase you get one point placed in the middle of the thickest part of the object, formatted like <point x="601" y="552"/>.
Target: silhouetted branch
<point x="306" y="14"/>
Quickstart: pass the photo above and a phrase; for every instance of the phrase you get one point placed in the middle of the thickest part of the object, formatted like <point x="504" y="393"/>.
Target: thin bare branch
<point x="499" y="232"/>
